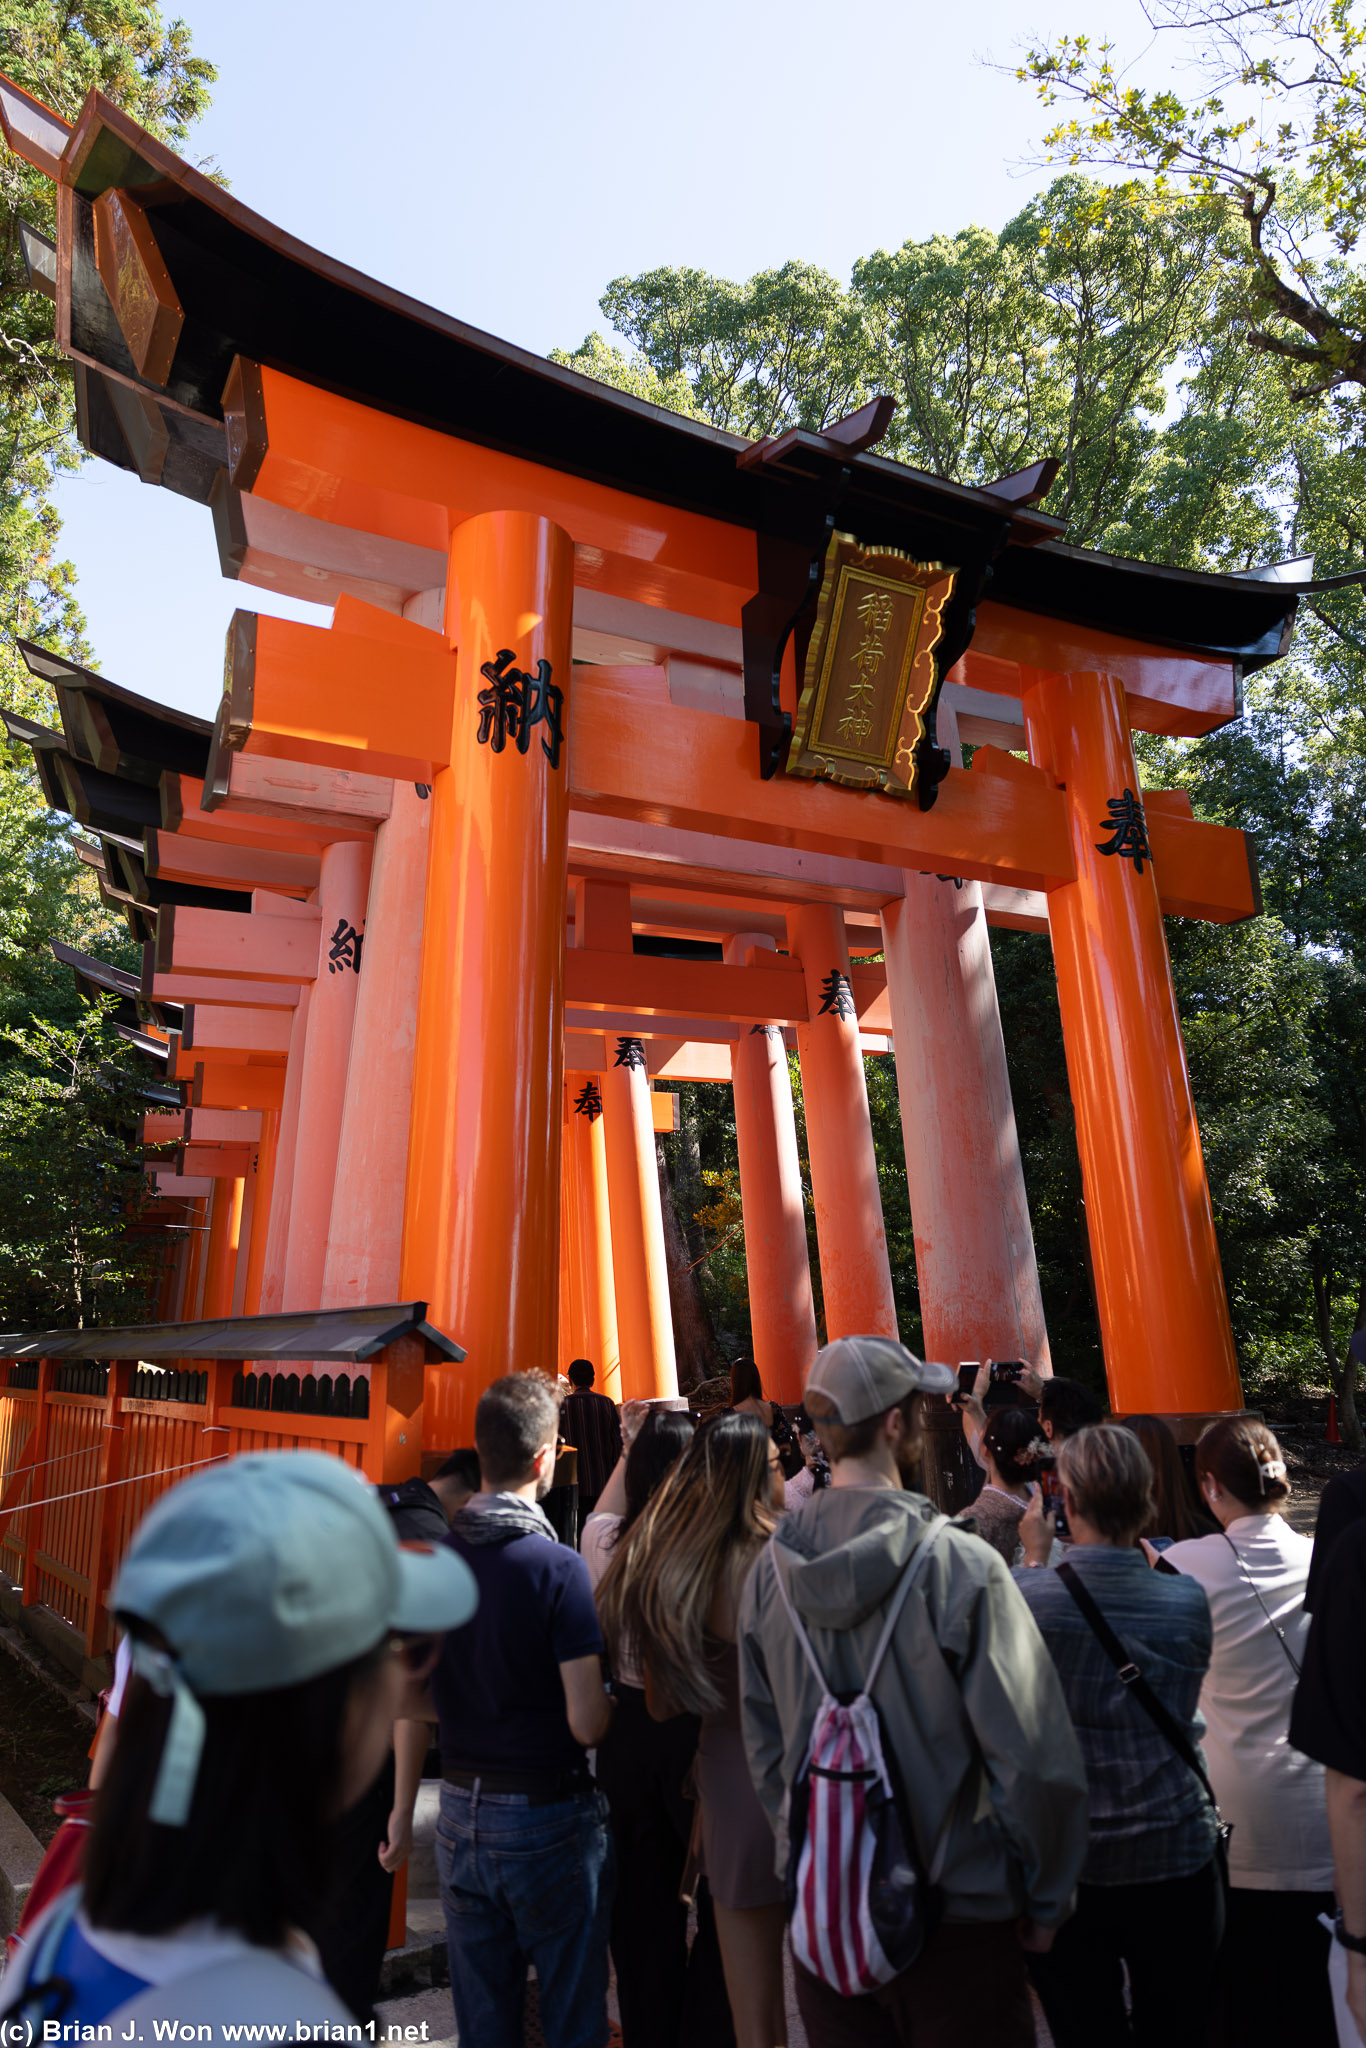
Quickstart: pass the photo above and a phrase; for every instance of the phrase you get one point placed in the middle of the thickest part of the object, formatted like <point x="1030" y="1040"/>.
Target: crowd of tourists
<point x="1083" y="1744"/>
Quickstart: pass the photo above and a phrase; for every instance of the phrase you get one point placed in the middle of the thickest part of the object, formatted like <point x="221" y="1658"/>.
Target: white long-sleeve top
<point x="1272" y="1795"/>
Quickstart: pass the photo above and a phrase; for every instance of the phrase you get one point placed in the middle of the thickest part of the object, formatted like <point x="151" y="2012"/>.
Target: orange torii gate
<point x="601" y="684"/>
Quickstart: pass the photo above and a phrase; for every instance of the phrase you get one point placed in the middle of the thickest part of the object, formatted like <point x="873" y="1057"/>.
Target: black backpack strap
<point x="1133" y="1680"/>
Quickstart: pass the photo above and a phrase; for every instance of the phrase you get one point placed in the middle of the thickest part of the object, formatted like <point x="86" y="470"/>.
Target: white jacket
<point x="1272" y="1795"/>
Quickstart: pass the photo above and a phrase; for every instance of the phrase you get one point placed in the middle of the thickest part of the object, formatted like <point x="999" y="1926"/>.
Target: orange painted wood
<point x="1159" y="1284"/>
<point x="222" y="1126"/>
<point x="321" y="1429"/>
<point x="221" y="991"/>
<point x="344" y="462"/>
<point x="218" y="1086"/>
<point x="277" y="1239"/>
<point x="664" y="1110"/>
<point x="218" y="1163"/>
<point x="227" y="942"/>
<point x="225" y="1223"/>
<point x="183" y="814"/>
<point x="1202" y="870"/>
<point x="365" y="1232"/>
<point x="689" y="988"/>
<point x="649" y="1365"/>
<point x="856" y="1280"/>
<point x="1165" y="691"/>
<point x="489" y="1056"/>
<point x="397" y="1382"/>
<point x="160" y="1126"/>
<point x="264" y="1169"/>
<point x="347" y="700"/>
<point x="974" y="1248"/>
<point x="777" y="1263"/>
<point x="594" y="1284"/>
<point x="214" y="863"/>
<point x="211" y="1028"/>
<point x="110" y="1471"/>
<point x="35" y="1456"/>
<point x="342" y="893"/>
<point x="706" y="779"/>
<point x="324" y="803"/>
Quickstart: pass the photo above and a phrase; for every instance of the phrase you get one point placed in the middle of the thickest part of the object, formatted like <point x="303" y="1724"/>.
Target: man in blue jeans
<point x="523" y="1847"/>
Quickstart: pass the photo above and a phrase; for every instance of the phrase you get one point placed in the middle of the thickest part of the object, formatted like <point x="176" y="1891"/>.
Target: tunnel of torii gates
<point x="633" y="754"/>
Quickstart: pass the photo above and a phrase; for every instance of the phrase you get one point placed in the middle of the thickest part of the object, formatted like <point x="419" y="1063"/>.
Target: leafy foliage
<point x="1277" y="139"/>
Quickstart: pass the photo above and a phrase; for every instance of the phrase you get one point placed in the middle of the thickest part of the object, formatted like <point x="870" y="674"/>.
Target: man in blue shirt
<point x="523" y="1847"/>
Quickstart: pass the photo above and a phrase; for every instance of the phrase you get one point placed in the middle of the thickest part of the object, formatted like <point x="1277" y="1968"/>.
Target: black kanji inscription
<point x="837" y="998"/>
<point x="1129" y="829"/>
<point x="515" y="703"/>
<point x="344" y="948"/>
<point x="588" y="1102"/>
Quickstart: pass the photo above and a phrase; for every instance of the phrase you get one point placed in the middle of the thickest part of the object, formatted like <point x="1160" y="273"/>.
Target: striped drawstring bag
<point x="860" y="1903"/>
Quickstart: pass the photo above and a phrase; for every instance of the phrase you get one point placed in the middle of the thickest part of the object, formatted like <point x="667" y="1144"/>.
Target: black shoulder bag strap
<point x="1133" y="1680"/>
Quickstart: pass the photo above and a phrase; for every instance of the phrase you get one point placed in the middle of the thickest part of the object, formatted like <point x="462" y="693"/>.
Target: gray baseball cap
<point x="264" y="1571"/>
<point x="866" y="1376"/>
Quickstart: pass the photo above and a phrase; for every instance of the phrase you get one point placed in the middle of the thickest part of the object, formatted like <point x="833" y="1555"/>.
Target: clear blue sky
<point x="505" y="162"/>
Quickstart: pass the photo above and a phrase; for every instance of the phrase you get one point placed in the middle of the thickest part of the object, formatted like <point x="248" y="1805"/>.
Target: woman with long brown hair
<point x="671" y="1595"/>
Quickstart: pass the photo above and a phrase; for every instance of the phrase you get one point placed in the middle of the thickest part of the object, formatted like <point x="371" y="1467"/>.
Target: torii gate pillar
<point x="593" y="1332"/>
<point x="856" y="1280"/>
<point x="482" y="1216"/>
<point x="1159" y="1284"/>
<point x="974" y="1249"/>
<point x="777" y="1263"/>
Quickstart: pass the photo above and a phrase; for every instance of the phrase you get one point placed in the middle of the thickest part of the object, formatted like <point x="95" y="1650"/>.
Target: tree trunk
<point x="694" y="1338"/>
<point x="1341" y="1373"/>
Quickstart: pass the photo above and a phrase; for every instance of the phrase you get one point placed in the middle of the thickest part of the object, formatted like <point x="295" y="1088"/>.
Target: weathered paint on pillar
<point x="974" y="1248"/>
<point x="1159" y="1283"/>
<point x="570" y="1318"/>
<point x="272" y="1289"/>
<point x="220" y="1264"/>
<point x="192" y="1291"/>
<point x="856" y="1280"/>
<point x="649" y="1366"/>
<point x="343" y="886"/>
<point x="593" y="1287"/>
<point x="250" y="1191"/>
<point x="481" y="1225"/>
<point x="782" y="1312"/>
<point x="365" y="1235"/>
<point x="266" y="1152"/>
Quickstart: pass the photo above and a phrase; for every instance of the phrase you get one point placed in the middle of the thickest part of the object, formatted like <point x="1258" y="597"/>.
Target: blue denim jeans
<point x="526" y="1884"/>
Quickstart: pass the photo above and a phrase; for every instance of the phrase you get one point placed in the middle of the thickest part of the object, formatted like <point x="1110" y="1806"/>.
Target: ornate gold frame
<point x="887" y="760"/>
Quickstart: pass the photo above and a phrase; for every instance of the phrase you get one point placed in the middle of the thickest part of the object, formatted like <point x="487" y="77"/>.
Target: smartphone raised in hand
<point x="1053" y="1501"/>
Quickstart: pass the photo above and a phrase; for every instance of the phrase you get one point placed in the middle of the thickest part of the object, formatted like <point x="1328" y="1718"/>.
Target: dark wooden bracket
<point x="790" y="570"/>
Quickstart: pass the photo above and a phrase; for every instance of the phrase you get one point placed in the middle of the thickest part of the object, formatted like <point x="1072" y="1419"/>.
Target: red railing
<point x="79" y="1470"/>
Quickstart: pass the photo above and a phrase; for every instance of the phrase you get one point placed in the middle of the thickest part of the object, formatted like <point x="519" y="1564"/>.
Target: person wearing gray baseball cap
<point x="277" y="1631"/>
<point x="866" y="1588"/>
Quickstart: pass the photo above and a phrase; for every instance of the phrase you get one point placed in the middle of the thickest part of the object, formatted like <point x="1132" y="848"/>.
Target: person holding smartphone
<point x="1151" y="1895"/>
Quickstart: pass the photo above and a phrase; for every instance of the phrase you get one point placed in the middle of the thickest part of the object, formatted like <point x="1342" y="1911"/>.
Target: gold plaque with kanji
<point x="871" y="668"/>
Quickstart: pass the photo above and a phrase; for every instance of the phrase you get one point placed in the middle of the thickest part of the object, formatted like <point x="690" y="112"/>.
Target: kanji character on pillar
<point x="630" y="1053"/>
<point x="588" y="1102"/>
<point x="837" y="998"/>
<point x="1129" y="829"/>
<point x="344" y="948"/>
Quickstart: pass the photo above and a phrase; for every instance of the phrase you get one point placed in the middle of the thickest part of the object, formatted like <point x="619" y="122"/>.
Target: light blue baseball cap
<point x="262" y="1572"/>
